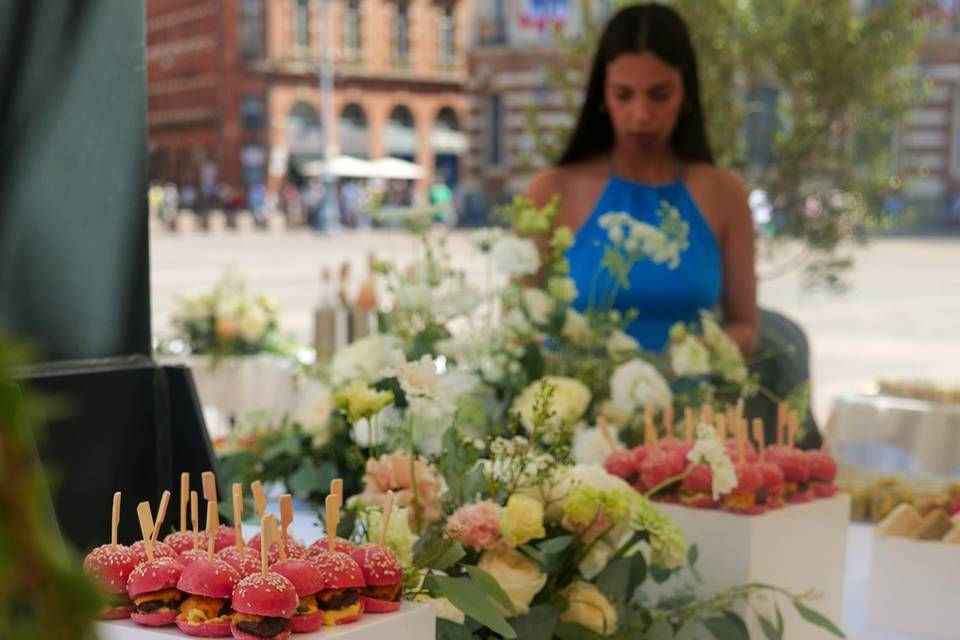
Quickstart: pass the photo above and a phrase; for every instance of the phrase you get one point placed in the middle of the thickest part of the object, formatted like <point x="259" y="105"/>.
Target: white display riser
<point x="914" y="586"/>
<point x="799" y="548"/>
<point x="412" y="622"/>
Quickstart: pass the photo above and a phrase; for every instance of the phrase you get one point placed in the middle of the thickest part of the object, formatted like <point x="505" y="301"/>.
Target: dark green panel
<point x="74" y="265"/>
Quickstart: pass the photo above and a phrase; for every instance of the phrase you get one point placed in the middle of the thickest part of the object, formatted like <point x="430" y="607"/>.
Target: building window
<point x="495" y="143"/>
<point x="253" y="112"/>
<point x="351" y="28"/>
<point x="251" y="28"/>
<point x="301" y="25"/>
<point x="401" y="33"/>
<point x="956" y="134"/>
<point x="447" y="33"/>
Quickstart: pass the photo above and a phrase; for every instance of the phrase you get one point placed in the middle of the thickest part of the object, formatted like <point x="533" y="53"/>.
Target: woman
<point x="640" y="140"/>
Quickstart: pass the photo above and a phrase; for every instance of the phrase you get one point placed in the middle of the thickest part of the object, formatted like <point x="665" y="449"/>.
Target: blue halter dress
<point x="661" y="295"/>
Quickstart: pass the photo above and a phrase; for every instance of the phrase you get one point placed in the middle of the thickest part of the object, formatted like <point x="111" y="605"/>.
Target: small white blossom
<point x="709" y="450"/>
<point x="636" y="383"/>
<point x="689" y="357"/>
<point x="515" y="257"/>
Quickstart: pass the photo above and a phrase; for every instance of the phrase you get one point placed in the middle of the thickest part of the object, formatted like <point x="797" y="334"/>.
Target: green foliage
<point x="43" y="593"/>
<point x="833" y="128"/>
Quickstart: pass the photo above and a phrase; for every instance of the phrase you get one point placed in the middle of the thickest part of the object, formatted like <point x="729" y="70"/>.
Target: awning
<point x="397" y="169"/>
<point x="341" y="167"/>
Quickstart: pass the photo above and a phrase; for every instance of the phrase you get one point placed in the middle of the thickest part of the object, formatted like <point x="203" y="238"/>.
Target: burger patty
<point x="388" y="592"/>
<point x="150" y="606"/>
<point x="266" y="628"/>
<point x="338" y="601"/>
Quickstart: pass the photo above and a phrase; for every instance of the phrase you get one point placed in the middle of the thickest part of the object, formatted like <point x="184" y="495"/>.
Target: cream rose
<point x="519" y="576"/>
<point x="636" y="383"/>
<point x="538" y="305"/>
<point x="569" y="401"/>
<point x="575" y="328"/>
<point x="522" y="520"/>
<point x="589" y="608"/>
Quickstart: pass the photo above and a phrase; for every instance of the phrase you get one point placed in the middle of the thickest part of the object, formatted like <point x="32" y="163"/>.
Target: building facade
<point x="234" y="90"/>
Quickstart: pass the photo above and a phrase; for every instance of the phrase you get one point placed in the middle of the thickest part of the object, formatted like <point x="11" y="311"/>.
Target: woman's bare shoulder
<point x="715" y="181"/>
<point x="564" y="181"/>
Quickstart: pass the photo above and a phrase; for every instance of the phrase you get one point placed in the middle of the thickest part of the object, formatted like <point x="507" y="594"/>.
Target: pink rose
<point x="476" y="525"/>
<point x="393" y="472"/>
<point x="589" y="532"/>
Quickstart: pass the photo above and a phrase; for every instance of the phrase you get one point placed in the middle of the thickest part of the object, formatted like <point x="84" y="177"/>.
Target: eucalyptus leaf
<point x="447" y="630"/>
<point x="310" y="478"/>
<point x="466" y="596"/>
<point x="556" y="545"/>
<point x="661" y="630"/>
<point x="769" y="630"/>
<point x="693" y="553"/>
<point x="818" y="619"/>
<point x="489" y="585"/>
<point x="614" y="580"/>
<point x="539" y="624"/>
<point x="569" y="631"/>
<point x="723" y="629"/>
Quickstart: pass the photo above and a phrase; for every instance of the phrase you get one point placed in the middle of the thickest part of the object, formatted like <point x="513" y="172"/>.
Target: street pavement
<point x="900" y="318"/>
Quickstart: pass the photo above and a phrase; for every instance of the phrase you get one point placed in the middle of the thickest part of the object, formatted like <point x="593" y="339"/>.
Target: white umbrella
<point x="341" y="167"/>
<point x="397" y="169"/>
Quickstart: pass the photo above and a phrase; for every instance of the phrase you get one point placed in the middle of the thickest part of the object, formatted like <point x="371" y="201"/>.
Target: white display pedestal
<point x="412" y="622"/>
<point x="914" y="586"/>
<point x="799" y="548"/>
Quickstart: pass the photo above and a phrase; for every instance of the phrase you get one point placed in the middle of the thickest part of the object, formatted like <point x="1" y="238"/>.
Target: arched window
<point x="304" y="129"/>
<point x="354" y="134"/>
<point x="401" y="133"/>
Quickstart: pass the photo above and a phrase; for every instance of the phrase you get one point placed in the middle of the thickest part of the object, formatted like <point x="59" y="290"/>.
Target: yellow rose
<point x="589" y="608"/>
<point x="519" y="577"/>
<point x="522" y="520"/>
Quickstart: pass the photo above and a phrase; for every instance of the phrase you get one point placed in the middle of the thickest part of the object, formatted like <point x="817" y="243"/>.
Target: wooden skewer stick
<point x="115" y="519"/>
<point x="605" y="432"/>
<point x="195" y="519"/>
<point x="722" y="426"/>
<point x="758" y="436"/>
<point x="210" y="493"/>
<point x="668" y="422"/>
<point x="781" y="422"/>
<point x="336" y="488"/>
<point x="731" y="417"/>
<point x="268" y="533"/>
<point x="706" y="414"/>
<point x="145" y="515"/>
<point x="238" y="514"/>
<point x="739" y="410"/>
<point x="741" y="435"/>
<point x="259" y="498"/>
<point x="828" y="431"/>
<point x="333" y="520"/>
<point x="650" y="431"/>
<point x="161" y="515"/>
<point x="211" y="528"/>
<point x="689" y="425"/>
<point x="286" y="517"/>
<point x="387" y="512"/>
<point x="184" y="499"/>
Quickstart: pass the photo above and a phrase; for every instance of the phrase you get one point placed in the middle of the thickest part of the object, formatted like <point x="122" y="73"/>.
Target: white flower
<point x="314" y="406"/>
<point x="568" y="402"/>
<point x="367" y="433"/>
<point x="516" y="257"/>
<point x="414" y="297"/>
<point x="590" y="446"/>
<point x="562" y="289"/>
<point x="455" y="303"/>
<point x="252" y="324"/>
<point x="709" y="450"/>
<point x="363" y="359"/>
<point x="596" y="560"/>
<point x="565" y="479"/>
<point x="484" y="239"/>
<point x="636" y="383"/>
<point x="443" y="608"/>
<point x="689" y="357"/>
<point x="725" y="357"/>
<point x="426" y="394"/>
<point x="575" y="328"/>
<point x="621" y="345"/>
<point x="538" y="304"/>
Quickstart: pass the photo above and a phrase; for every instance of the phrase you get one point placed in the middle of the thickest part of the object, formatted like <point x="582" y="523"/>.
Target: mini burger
<point x="796" y="472"/>
<point x="823" y="471"/>
<point x="771" y="492"/>
<point x="160" y="550"/>
<point x="182" y="541"/>
<point x="320" y="546"/>
<point x="244" y="559"/>
<point x="308" y="582"/>
<point x="696" y="490"/>
<point x="109" y="566"/>
<point x="383" y="575"/>
<point x="263" y="606"/>
<point x="208" y="586"/>
<point x="659" y="466"/>
<point x="343" y="582"/>
<point x="293" y="548"/>
<point x="743" y="498"/>
<point x="152" y="586"/>
<point x="224" y="537"/>
<point x="622" y="464"/>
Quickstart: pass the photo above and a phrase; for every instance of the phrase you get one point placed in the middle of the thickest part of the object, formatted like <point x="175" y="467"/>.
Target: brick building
<point x="234" y="86"/>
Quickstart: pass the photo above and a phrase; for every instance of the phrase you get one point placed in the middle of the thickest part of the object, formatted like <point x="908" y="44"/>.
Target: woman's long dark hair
<point x="645" y="28"/>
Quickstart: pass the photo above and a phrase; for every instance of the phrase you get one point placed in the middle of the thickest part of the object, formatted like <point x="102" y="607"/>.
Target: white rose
<point x="519" y="576"/>
<point x="253" y="322"/>
<point x="689" y="357"/>
<point x="569" y="401"/>
<point x="538" y="304"/>
<point x="516" y="257"/>
<point x="414" y="297"/>
<point x="621" y="345"/>
<point x="314" y="406"/>
<point x="565" y="479"/>
<point x="363" y="359"/>
<point x="636" y="383"/>
<point x="589" y="608"/>
<point x="443" y="608"/>
<point x="590" y="446"/>
<point x="575" y="328"/>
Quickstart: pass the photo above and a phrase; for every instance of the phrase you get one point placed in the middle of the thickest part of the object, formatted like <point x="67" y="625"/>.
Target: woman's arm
<point x="741" y="317"/>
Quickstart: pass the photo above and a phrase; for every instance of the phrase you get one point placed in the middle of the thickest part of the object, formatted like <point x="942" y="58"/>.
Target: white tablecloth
<point x="233" y="387"/>
<point x="897" y="434"/>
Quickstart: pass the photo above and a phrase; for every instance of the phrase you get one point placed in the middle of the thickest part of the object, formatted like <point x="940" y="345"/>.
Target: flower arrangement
<point x="226" y="321"/>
